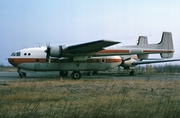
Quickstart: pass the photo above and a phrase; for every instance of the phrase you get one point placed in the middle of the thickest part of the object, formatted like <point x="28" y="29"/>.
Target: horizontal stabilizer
<point x="157" y="61"/>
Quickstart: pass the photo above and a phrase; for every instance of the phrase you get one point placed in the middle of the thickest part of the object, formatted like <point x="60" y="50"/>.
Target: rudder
<point x="166" y="43"/>
<point x="142" y="40"/>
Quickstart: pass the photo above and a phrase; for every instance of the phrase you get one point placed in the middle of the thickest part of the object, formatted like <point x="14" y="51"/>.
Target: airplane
<point x="91" y="56"/>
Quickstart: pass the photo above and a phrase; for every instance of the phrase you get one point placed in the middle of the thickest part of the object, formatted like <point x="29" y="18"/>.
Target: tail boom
<point x="165" y="47"/>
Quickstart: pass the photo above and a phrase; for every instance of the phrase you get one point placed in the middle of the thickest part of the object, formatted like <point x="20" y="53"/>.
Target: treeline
<point x="167" y="68"/>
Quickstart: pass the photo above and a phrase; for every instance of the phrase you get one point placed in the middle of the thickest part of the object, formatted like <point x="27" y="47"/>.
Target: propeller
<point x="47" y="51"/>
<point x="123" y="60"/>
<point x="119" y="69"/>
<point x="126" y="59"/>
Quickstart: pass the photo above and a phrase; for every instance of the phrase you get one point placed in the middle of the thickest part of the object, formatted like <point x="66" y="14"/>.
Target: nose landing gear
<point x="21" y="74"/>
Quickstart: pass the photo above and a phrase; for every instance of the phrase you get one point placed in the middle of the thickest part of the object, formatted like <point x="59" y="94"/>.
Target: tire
<point x="22" y="75"/>
<point x="132" y="73"/>
<point x="76" y="75"/>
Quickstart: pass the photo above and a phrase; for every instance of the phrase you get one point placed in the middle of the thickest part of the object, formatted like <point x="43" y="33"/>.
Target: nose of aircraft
<point x="12" y="61"/>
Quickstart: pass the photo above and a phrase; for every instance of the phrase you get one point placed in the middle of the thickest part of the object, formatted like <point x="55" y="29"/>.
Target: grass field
<point x="91" y="98"/>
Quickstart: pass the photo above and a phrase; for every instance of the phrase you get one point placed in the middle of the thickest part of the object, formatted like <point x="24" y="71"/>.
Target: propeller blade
<point x="126" y="59"/>
<point x="48" y="54"/>
<point x="119" y="69"/>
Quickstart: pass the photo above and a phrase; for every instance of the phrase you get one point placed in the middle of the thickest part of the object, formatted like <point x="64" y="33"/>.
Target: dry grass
<point x="91" y="98"/>
<point x="7" y="69"/>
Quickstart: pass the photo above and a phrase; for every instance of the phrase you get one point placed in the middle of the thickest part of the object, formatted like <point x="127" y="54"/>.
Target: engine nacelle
<point x="56" y="51"/>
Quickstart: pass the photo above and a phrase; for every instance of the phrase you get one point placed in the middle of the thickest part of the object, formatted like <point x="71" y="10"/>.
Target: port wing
<point x="91" y="46"/>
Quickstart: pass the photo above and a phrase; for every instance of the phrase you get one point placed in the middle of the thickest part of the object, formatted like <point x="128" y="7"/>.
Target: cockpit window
<point x="15" y="54"/>
<point x="18" y="54"/>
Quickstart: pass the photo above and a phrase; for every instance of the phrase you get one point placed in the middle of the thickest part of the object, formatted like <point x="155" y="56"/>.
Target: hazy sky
<point x="29" y="23"/>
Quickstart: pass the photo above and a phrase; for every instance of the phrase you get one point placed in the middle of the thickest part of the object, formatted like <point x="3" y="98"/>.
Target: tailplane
<point x="165" y="47"/>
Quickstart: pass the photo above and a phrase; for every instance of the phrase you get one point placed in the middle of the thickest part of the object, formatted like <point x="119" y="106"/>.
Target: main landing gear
<point x="74" y="75"/>
<point x="21" y="74"/>
<point x="131" y="73"/>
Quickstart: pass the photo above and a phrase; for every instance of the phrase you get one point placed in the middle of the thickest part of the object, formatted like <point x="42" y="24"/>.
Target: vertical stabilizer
<point x="142" y="40"/>
<point x="166" y="43"/>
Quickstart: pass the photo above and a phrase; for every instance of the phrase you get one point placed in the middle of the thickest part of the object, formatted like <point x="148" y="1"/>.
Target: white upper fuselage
<point x="35" y="59"/>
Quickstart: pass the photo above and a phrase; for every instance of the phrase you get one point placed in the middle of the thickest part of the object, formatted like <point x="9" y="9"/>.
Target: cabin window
<point x="25" y="54"/>
<point x="29" y="54"/>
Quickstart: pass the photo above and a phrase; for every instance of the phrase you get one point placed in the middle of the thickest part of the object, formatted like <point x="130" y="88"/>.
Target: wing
<point x="158" y="61"/>
<point x="90" y="46"/>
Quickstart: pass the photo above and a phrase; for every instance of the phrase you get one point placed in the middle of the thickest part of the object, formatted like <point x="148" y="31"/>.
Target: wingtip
<point x="107" y="40"/>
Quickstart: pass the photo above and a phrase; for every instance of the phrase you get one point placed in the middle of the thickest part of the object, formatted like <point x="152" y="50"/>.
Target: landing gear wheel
<point x="76" y="75"/>
<point x="63" y="73"/>
<point x="131" y="73"/>
<point x="22" y="75"/>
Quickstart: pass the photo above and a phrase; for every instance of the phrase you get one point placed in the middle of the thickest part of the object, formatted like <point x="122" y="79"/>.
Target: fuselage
<point x="34" y="59"/>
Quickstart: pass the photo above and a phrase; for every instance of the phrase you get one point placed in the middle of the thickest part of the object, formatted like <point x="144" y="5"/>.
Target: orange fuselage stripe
<point x="17" y="61"/>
